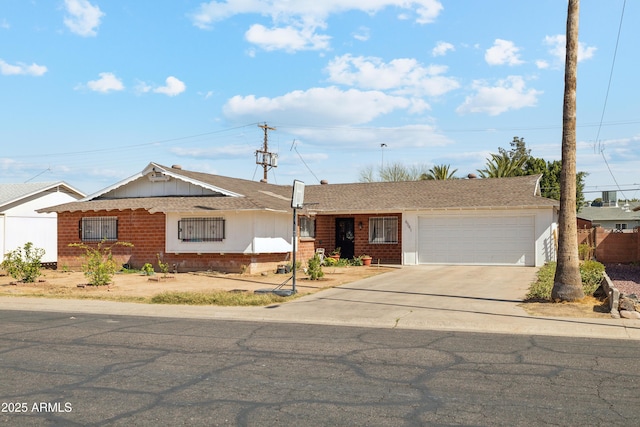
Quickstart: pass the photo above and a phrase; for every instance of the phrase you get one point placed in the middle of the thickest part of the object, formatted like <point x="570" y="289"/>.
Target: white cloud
<point x="363" y="34"/>
<point x="172" y="88"/>
<point x="442" y="48"/>
<point x="542" y="64"/>
<point x="503" y="52"/>
<point x="508" y="94"/>
<point x="401" y="76"/>
<point x="301" y="18"/>
<point x="558" y="44"/>
<point x="4" y="24"/>
<point x="106" y="83"/>
<point x="288" y="38"/>
<point x="326" y="105"/>
<point x="22" y="69"/>
<point x="83" y="18"/>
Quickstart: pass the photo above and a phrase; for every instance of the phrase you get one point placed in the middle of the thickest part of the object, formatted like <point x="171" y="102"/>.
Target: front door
<point x="345" y="237"/>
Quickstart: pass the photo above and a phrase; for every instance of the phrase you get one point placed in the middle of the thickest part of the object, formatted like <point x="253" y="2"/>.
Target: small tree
<point x="439" y="172"/>
<point x="24" y="263"/>
<point x="315" y="268"/>
<point x="99" y="266"/>
<point x="164" y="266"/>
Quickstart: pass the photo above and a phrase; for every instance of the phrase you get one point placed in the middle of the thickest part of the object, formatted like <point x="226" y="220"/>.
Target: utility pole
<point x="264" y="157"/>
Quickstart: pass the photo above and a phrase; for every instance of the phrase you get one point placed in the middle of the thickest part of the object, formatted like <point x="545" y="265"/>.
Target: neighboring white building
<point x="19" y="221"/>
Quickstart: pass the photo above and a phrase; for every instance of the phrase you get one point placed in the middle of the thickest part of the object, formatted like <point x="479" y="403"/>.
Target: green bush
<point x="99" y="266"/>
<point x="147" y="269"/>
<point x="314" y="269"/>
<point x="330" y="262"/>
<point x="24" y="264"/>
<point x="164" y="266"/>
<point x="591" y="273"/>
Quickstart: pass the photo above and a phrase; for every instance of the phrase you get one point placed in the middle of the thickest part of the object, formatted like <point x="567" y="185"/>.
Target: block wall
<point x="611" y="246"/>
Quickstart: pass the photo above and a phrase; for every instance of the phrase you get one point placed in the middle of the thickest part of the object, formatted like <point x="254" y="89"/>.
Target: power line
<point x="604" y="107"/>
<point x="131" y="147"/>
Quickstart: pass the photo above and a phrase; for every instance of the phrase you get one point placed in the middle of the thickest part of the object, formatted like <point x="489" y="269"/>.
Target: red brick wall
<point x="610" y="246"/>
<point x="147" y="234"/>
<point x="306" y="250"/>
<point x="385" y="254"/>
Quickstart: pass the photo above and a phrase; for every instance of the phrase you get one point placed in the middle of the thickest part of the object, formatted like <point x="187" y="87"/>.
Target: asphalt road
<point x="98" y="370"/>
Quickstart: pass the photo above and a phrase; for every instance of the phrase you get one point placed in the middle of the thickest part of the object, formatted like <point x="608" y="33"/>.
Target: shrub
<point x="591" y="273"/>
<point x="99" y="266"/>
<point x="147" y="269"/>
<point x="315" y="268"/>
<point x="24" y="263"/>
<point x="585" y="251"/>
<point x="164" y="266"/>
<point x="330" y="262"/>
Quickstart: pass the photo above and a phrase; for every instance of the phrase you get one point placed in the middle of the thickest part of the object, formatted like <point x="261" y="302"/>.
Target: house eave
<point x="432" y="209"/>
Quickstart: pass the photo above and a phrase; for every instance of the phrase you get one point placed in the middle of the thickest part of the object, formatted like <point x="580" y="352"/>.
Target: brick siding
<point x="326" y="238"/>
<point x="147" y="234"/>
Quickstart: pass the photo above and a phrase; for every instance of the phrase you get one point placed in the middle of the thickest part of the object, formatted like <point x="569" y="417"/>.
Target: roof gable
<point x="154" y="181"/>
<point x="15" y="193"/>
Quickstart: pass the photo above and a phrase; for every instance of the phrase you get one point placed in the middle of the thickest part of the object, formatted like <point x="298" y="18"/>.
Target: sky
<point x="94" y="90"/>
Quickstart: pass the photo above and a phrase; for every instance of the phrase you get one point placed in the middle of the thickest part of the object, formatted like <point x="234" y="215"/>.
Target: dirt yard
<point x="135" y="285"/>
<point x="589" y="307"/>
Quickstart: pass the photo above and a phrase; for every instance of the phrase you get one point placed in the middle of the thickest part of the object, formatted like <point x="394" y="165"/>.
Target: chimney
<point x="179" y="167"/>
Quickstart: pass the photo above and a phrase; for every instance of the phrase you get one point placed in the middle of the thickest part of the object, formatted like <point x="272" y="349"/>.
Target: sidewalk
<point x="453" y="298"/>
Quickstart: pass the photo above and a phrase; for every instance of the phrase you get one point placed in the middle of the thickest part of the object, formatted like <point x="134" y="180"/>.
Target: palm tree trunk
<point x="567" y="284"/>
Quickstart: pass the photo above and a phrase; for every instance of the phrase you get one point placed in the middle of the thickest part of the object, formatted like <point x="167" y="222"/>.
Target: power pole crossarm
<point x="264" y="157"/>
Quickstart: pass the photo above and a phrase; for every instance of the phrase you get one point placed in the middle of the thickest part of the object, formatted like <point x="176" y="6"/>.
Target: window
<point x="383" y="229"/>
<point x="307" y="226"/>
<point x="97" y="229"/>
<point x="201" y="229"/>
<point x="622" y="226"/>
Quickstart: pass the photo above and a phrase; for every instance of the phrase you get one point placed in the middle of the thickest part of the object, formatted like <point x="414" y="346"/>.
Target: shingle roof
<point x="435" y="194"/>
<point x="498" y="193"/>
<point x="609" y="213"/>
<point x="11" y="193"/>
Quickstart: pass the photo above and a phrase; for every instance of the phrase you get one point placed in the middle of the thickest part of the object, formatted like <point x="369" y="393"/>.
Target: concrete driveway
<point x="416" y="296"/>
<point x="456" y="298"/>
<point x="460" y="298"/>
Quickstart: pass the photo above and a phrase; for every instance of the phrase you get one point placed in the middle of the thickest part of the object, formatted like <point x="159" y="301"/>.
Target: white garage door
<point x="507" y="240"/>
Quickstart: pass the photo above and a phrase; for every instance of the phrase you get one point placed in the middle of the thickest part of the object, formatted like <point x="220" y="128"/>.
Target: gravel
<point x="625" y="277"/>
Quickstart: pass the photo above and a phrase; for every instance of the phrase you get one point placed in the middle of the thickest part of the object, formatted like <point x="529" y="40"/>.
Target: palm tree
<point x="502" y="165"/>
<point x="567" y="284"/>
<point x="439" y="172"/>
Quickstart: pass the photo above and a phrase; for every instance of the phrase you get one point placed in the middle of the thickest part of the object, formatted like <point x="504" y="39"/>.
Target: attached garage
<point x="485" y="240"/>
